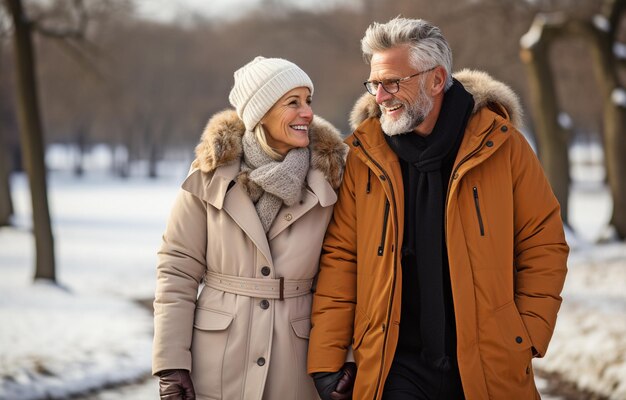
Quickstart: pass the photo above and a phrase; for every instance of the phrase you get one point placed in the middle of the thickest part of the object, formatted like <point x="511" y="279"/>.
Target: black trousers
<point x="410" y="379"/>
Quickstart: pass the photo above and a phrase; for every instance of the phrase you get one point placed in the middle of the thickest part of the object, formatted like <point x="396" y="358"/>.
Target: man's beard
<point x="412" y="116"/>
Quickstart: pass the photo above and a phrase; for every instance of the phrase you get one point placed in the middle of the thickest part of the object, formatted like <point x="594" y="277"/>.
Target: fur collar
<point x="487" y="92"/>
<point x="220" y="144"/>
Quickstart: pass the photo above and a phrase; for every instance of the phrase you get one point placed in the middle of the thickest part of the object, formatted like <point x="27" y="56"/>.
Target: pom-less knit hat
<point x="261" y="83"/>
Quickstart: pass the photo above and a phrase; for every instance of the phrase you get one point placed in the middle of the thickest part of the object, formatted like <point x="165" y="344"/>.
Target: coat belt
<point x="267" y="288"/>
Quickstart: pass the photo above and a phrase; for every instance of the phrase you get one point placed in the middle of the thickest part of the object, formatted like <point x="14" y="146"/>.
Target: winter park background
<point x="92" y="332"/>
<point x="134" y="96"/>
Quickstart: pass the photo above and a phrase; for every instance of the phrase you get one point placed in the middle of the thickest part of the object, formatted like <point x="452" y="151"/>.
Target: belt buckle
<point x="281" y="288"/>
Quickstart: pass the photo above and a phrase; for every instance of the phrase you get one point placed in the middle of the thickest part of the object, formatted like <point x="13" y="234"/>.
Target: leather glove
<point x="175" y="384"/>
<point x="336" y="385"/>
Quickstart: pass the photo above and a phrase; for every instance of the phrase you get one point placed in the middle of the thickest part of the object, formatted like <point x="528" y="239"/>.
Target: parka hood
<point x="487" y="92"/>
<point x="220" y="144"/>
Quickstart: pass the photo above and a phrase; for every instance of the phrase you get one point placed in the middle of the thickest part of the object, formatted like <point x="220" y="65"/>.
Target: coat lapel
<point x="238" y="205"/>
<point x="319" y="191"/>
<point x="234" y="201"/>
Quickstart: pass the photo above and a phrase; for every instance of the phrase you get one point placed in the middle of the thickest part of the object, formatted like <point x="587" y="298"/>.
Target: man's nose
<point x="382" y="95"/>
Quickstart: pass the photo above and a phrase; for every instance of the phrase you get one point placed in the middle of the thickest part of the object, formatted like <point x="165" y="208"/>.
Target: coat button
<point x="383" y="178"/>
<point x="519" y="339"/>
<point x="265" y="271"/>
<point x="356" y="143"/>
<point x="265" y="304"/>
<point x="504" y="128"/>
<point x="455" y="176"/>
<point x="489" y="143"/>
<point x="288" y="217"/>
<point x="260" y="362"/>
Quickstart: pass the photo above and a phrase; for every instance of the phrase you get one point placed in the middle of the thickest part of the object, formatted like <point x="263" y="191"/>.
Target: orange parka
<point x="506" y="248"/>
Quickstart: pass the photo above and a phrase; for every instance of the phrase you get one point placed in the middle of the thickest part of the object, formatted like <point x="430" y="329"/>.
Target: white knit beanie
<point x="261" y="83"/>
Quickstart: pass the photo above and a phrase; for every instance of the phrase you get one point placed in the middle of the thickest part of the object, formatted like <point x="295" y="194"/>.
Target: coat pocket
<point x="300" y="342"/>
<point x="479" y="214"/>
<point x="361" y="327"/>
<point x="301" y="327"/>
<point x="208" y="345"/>
<point x="516" y="340"/>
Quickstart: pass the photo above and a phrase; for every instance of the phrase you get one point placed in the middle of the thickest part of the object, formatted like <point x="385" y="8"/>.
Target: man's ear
<point x="439" y="80"/>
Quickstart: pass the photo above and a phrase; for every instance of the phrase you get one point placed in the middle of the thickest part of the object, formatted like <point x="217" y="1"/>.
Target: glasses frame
<point x="392" y="81"/>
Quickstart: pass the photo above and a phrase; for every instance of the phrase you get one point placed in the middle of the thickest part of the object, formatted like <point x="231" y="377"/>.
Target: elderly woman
<point x="243" y="242"/>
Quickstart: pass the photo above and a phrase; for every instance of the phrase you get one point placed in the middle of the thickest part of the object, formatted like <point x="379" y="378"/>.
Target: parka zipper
<point x="381" y="248"/>
<point x="457" y="166"/>
<point x="480" y="218"/>
<point x="385" y="327"/>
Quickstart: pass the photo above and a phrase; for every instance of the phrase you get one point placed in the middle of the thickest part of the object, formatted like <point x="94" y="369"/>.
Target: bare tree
<point x="6" y="205"/>
<point x="600" y="33"/>
<point x="552" y="137"/>
<point x="50" y="23"/>
<point x="31" y="134"/>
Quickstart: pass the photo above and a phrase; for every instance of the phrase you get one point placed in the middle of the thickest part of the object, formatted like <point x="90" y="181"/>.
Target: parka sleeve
<point x="540" y="248"/>
<point x="181" y="267"/>
<point x="335" y="296"/>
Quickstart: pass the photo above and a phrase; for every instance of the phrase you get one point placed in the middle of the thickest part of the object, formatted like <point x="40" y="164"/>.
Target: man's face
<point x="405" y="110"/>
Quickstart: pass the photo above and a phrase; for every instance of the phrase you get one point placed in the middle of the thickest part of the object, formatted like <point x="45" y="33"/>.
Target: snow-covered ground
<point x="91" y="332"/>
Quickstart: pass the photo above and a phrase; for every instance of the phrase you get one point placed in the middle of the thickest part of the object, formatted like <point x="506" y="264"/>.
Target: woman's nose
<point x="306" y="111"/>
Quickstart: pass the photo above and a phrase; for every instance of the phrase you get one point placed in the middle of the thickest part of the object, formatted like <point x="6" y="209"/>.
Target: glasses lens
<point x="391" y="87"/>
<point x="371" y="87"/>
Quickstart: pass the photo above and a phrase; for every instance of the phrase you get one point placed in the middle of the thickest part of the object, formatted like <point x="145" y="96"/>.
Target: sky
<point x="168" y="10"/>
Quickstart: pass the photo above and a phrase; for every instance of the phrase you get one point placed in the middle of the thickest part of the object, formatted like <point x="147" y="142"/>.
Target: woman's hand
<point x="175" y="384"/>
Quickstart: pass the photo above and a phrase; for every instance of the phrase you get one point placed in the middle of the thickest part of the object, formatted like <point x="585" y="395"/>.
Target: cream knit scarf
<point x="271" y="183"/>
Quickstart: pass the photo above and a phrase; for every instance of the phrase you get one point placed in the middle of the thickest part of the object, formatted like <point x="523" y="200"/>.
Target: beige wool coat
<point x="237" y="337"/>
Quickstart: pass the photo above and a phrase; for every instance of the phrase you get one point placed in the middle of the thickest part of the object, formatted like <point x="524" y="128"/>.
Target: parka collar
<point x="487" y="92"/>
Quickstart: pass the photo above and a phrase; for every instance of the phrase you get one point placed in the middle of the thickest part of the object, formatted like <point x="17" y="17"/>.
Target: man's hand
<point x="336" y="385"/>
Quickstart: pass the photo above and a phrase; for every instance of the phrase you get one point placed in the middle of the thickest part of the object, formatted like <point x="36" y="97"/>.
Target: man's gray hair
<point x="428" y="46"/>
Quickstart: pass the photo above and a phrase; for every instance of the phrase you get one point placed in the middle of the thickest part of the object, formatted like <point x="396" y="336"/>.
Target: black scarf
<point x="426" y="167"/>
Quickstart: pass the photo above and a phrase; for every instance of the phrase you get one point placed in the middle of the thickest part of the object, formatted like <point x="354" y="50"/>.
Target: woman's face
<point x="287" y="122"/>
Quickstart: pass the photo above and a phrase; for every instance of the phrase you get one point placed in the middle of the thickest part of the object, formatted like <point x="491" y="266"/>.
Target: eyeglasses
<point x="390" y="86"/>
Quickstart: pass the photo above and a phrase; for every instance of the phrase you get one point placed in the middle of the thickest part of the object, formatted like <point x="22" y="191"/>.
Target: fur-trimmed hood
<point x="220" y="144"/>
<point x="486" y="90"/>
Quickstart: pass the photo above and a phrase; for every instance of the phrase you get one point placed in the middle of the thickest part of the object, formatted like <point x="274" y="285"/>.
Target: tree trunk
<point x="552" y="138"/>
<point x="81" y="149"/>
<point x="546" y="29"/>
<point x="31" y="136"/>
<point x="614" y="150"/>
<point x="614" y="114"/>
<point x="6" y="205"/>
<point x="153" y="160"/>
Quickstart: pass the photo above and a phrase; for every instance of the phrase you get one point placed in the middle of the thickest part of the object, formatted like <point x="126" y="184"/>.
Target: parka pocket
<point x="208" y="346"/>
<point x="381" y="247"/>
<point x="516" y="340"/>
<point x="361" y="325"/>
<point x="479" y="215"/>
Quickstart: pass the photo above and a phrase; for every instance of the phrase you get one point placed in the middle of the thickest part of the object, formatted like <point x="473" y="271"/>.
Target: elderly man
<point x="444" y="261"/>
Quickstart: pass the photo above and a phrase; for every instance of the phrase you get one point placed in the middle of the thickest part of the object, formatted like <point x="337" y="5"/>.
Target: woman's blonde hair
<point x="261" y="136"/>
